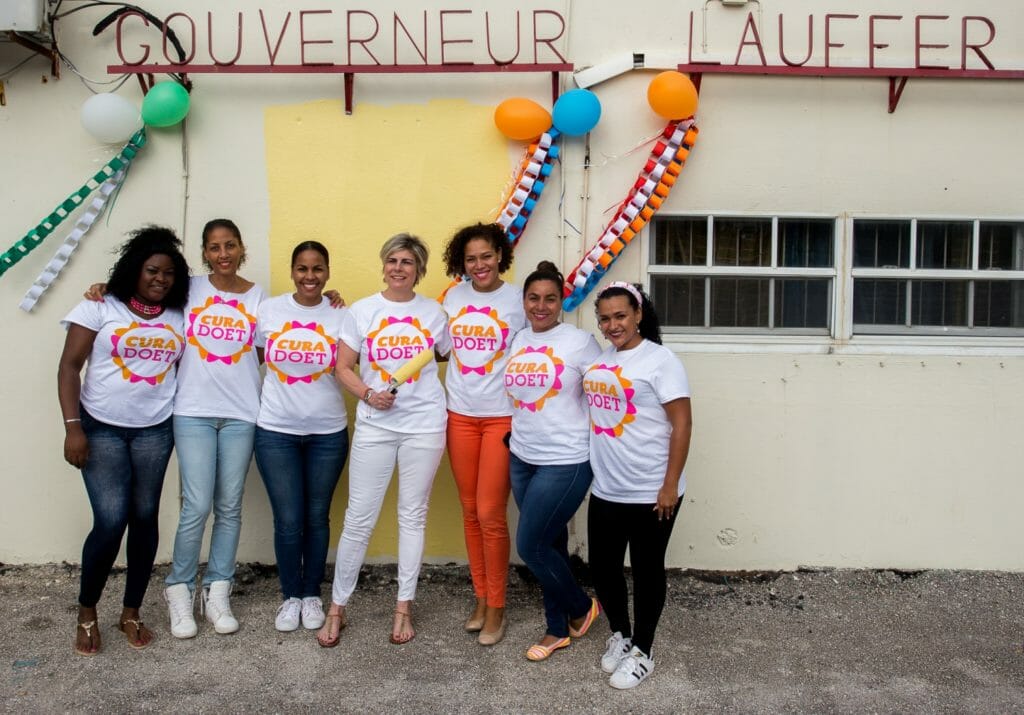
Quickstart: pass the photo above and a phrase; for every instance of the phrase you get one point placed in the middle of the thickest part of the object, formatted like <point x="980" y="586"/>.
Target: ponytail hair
<point x="545" y="271"/>
<point x="649" y="328"/>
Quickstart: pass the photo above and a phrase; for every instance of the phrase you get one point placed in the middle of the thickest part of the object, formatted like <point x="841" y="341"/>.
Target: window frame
<point x="840" y="338"/>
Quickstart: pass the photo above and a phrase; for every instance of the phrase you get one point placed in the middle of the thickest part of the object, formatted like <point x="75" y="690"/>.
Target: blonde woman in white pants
<point x="381" y="333"/>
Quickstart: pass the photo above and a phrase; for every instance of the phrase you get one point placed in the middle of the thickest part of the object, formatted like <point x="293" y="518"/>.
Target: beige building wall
<point x="813" y="451"/>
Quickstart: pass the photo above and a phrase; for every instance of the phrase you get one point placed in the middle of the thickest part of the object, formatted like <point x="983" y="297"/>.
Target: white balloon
<point x="110" y="118"/>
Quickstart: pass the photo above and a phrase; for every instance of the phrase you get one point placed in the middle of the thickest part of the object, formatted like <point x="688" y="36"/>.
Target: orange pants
<point x="479" y="462"/>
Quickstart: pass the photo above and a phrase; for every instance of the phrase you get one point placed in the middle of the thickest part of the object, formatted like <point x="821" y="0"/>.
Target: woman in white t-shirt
<point x="301" y="431"/>
<point x="382" y="332"/>
<point x="118" y="418"/>
<point x="550" y="467"/>
<point x="639" y="400"/>
<point x="484" y="315"/>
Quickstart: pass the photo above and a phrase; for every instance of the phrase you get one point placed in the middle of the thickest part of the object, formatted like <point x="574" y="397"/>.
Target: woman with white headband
<point x="639" y="401"/>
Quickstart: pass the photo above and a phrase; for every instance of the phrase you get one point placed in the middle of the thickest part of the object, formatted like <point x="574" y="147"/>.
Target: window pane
<point x="998" y="304"/>
<point x="802" y="302"/>
<point x="878" y="302"/>
<point x="743" y="242"/>
<point x="739" y="302"/>
<point x="939" y="303"/>
<point x="881" y="244"/>
<point x="679" y="301"/>
<point x="1001" y="246"/>
<point x="805" y="243"/>
<point x="944" y="244"/>
<point x="680" y="241"/>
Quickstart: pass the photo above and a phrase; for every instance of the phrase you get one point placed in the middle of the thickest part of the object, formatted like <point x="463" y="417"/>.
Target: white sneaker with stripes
<point x="633" y="669"/>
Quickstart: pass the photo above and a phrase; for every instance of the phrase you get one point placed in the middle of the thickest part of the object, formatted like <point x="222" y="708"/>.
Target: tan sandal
<point x="87" y="627"/>
<point x="401" y="617"/>
<point x="139" y="628"/>
<point x="331" y="642"/>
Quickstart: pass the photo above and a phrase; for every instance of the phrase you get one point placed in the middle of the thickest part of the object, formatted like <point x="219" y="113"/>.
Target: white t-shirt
<point x="130" y="375"/>
<point x="482" y="327"/>
<point x="386" y="335"/>
<point x="544" y="378"/>
<point x="629" y="442"/>
<point x="219" y="374"/>
<point x="300" y="347"/>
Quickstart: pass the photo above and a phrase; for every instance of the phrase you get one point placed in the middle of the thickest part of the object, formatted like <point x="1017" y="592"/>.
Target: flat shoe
<point x="493" y="637"/>
<point x="543" y="652"/>
<point x="87" y="627"/>
<point x="474" y="624"/>
<point x="592" y="614"/>
<point x="402" y="617"/>
<point x="139" y="625"/>
<point x="342" y="622"/>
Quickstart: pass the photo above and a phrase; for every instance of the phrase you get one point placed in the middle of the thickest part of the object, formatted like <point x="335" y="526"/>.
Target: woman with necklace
<point x="301" y="431"/>
<point x="484" y="315"/>
<point x="550" y="468"/>
<point x="639" y="399"/>
<point x="118" y="418"/>
<point x="381" y="333"/>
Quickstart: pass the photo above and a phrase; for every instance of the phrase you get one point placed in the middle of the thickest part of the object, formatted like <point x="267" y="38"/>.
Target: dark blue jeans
<point x="548" y="496"/>
<point x="123" y="476"/>
<point x="300" y="473"/>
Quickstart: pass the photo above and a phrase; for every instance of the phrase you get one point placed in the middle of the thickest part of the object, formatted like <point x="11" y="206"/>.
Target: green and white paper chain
<point x="45" y="227"/>
<point x="63" y="254"/>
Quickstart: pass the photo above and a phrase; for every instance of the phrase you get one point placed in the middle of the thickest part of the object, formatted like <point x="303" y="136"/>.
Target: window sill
<point x="860" y="345"/>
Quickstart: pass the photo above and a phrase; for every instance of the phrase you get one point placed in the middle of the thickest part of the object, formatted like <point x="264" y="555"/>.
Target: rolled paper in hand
<point x="410" y="368"/>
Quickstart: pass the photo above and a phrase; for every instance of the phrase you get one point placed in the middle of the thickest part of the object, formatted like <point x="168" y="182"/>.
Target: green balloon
<point x="165" y="104"/>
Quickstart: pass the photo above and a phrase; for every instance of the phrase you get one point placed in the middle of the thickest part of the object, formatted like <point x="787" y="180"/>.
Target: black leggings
<point x="611" y="527"/>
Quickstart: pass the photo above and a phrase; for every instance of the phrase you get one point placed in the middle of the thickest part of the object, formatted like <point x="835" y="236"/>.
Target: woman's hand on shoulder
<point x="96" y="292"/>
<point x="335" y="297"/>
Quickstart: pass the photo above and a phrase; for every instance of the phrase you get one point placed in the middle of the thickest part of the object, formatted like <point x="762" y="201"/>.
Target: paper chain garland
<point x="521" y="201"/>
<point x="63" y="254"/>
<point x="643" y="201"/>
<point x="35" y="237"/>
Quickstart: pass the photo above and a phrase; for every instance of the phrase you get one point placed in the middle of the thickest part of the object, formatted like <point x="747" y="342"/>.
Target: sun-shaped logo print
<point x="532" y="376"/>
<point x="479" y="339"/>
<point x="146" y="352"/>
<point x="221" y="330"/>
<point x="301" y="352"/>
<point x="610" y="397"/>
<point x="395" y="342"/>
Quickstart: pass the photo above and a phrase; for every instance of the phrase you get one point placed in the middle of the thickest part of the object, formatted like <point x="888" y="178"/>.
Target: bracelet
<point x="72" y="419"/>
<point x="368" y="395"/>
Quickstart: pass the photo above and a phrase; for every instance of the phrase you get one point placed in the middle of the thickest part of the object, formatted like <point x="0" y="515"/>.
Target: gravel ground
<point x="827" y="641"/>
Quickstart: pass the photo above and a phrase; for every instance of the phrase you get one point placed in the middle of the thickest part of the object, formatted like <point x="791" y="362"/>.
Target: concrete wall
<point x="807" y="451"/>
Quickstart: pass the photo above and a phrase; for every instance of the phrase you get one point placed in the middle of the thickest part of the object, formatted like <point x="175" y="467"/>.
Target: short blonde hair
<point x="413" y="244"/>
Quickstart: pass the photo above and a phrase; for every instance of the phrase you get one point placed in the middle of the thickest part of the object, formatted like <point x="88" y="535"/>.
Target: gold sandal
<point x="139" y="625"/>
<point x="87" y="627"/>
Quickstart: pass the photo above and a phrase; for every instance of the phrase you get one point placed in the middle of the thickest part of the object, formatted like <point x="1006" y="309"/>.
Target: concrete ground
<point x="834" y="641"/>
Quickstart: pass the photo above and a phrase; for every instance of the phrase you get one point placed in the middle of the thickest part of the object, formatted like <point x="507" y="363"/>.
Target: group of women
<point x="534" y="407"/>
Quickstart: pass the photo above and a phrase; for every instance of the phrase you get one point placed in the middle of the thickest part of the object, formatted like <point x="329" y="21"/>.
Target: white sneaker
<point x="312" y="613"/>
<point x="618" y="647"/>
<point x="217" y="607"/>
<point x="633" y="669"/>
<point x="180" y="602"/>
<point x="288" y="615"/>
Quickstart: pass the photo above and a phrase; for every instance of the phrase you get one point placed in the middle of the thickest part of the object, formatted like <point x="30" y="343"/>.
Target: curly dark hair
<point x="455" y="250"/>
<point x="649" y="327"/>
<point x="546" y="271"/>
<point x="132" y="256"/>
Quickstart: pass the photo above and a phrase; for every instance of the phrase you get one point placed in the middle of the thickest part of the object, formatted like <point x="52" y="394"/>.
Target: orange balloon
<point x="521" y="119"/>
<point x="672" y="95"/>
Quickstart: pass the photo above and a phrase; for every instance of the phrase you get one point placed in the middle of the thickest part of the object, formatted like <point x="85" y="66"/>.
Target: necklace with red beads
<point x="144" y="308"/>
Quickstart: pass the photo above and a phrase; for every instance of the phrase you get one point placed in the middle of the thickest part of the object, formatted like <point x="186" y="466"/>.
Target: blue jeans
<point x="300" y="473"/>
<point x="548" y="496"/>
<point x="213" y="458"/>
<point x="123" y="476"/>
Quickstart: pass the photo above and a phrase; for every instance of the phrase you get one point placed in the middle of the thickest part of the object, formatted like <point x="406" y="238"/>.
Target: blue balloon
<point x="576" y="112"/>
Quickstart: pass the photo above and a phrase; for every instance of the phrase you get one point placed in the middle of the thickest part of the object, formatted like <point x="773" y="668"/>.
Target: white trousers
<point x="371" y="463"/>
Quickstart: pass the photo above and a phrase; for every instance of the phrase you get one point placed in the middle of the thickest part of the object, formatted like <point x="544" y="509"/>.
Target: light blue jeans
<point x="213" y="458"/>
